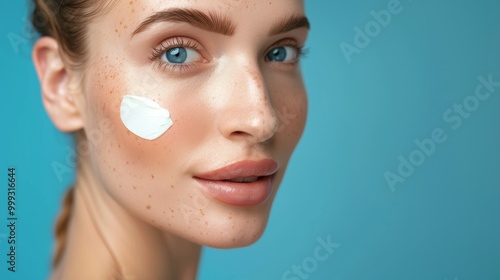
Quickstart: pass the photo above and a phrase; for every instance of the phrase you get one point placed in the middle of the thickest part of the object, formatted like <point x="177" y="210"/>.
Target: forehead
<point x="126" y="15"/>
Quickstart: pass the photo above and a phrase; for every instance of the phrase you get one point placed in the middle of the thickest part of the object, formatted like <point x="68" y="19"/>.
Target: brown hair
<point x="62" y="225"/>
<point x="66" y="21"/>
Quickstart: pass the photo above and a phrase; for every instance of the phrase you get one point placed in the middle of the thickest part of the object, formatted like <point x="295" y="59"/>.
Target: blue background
<point x="442" y="222"/>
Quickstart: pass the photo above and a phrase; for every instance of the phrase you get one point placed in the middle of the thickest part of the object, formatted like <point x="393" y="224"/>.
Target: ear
<point x="55" y="81"/>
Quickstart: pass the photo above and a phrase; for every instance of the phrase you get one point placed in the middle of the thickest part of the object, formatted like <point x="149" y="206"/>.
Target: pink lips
<point x="244" y="183"/>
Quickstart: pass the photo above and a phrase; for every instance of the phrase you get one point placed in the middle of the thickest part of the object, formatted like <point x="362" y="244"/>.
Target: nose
<point x="248" y="113"/>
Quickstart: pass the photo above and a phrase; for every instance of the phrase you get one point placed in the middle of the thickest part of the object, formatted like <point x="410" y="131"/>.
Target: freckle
<point x="148" y="207"/>
<point x="190" y="196"/>
<point x="121" y="22"/>
<point x="206" y="223"/>
<point x="172" y="186"/>
<point x="125" y="27"/>
<point x="234" y="239"/>
<point x="163" y="212"/>
<point x="127" y="162"/>
<point x="116" y="30"/>
<point x="120" y="186"/>
<point x="149" y="196"/>
<point x="135" y="188"/>
<point x="114" y="169"/>
<point x="152" y="176"/>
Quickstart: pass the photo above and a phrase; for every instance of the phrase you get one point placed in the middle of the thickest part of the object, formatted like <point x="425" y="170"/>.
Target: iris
<point x="176" y="55"/>
<point x="277" y="54"/>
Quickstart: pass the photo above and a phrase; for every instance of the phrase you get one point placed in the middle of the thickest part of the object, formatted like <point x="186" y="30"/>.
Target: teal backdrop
<point x="397" y="175"/>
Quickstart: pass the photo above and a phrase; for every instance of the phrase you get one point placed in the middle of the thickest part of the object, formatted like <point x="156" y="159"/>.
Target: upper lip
<point x="241" y="169"/>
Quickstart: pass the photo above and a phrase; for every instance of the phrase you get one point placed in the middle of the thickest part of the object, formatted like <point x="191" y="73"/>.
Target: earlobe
<point x="55" y="82"/>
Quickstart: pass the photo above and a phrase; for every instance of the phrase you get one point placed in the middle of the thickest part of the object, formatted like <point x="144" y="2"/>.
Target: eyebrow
<point x="289" y="23"/>
<point x="216" y="23"/>
<point x="207" y="21"/>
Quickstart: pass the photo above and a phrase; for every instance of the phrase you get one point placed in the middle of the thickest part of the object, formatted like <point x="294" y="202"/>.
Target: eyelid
<point x="284" y="42"/>
<point x="287" y="42"/>
<point x="174" y="42"/>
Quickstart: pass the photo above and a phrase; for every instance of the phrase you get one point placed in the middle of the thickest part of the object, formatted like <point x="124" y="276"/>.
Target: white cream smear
<point x="144" y="117"/>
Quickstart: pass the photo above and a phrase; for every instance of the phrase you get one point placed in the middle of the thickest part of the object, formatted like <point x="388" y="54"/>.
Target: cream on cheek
<point x="144" y="117"/>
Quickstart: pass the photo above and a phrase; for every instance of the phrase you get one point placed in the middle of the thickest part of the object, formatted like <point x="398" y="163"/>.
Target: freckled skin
<point x="140" y="194"/>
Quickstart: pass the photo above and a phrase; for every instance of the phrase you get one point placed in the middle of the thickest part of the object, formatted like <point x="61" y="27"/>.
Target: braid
<point x="66" y="21"/>
<point x="61" y="227"/>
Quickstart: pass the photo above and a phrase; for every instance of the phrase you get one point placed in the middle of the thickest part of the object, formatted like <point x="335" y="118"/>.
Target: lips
<point x="244" y="183"/>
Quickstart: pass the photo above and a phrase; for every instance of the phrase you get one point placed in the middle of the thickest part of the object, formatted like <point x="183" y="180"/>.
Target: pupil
<point x="177" y="55"/>
<point x="277" y="54"/>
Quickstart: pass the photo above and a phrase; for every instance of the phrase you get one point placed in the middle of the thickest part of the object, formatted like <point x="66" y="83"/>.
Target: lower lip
<point x="239" y="194"/>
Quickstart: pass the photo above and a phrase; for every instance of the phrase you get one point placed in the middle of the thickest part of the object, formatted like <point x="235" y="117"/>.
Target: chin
<point x="234" y="238"/>
<point x="231" y="227"/>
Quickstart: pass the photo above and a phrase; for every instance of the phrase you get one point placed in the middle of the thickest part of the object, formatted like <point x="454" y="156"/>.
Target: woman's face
<point x="228" y="73"/>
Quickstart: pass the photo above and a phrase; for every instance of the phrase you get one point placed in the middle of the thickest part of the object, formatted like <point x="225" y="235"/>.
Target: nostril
<point x="239" y="133"/>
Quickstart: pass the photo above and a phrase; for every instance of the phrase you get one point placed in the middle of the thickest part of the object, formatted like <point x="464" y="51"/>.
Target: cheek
<point x="152" y="179"/>
<point x="290" y="105"/>
<point x="148" y="178"/>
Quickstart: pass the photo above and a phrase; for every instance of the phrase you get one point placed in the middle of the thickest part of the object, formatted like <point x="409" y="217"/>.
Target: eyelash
<point x="175" y="42"/>
<point x="301" y="50"/>
<point x="159" y="51"/>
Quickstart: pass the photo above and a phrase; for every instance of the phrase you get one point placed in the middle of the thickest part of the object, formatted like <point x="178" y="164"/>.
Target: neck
<point x="105" y="241"/>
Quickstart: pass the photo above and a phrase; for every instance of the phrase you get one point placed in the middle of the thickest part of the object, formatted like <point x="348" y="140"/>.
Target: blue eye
<point x="282" y="54"/>
<point x="180" y="55"/>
